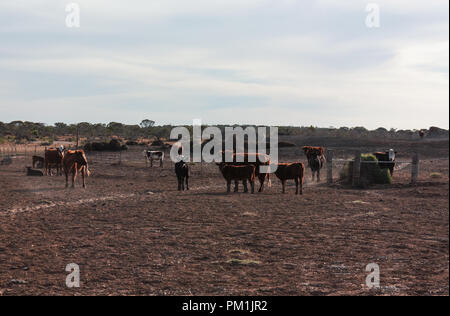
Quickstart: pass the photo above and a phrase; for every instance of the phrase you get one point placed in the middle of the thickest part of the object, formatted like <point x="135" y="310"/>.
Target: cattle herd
<point x="245" y="167"/>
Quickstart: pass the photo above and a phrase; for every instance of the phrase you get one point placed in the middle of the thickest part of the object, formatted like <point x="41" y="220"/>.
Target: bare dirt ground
<point x="132" y="233"/>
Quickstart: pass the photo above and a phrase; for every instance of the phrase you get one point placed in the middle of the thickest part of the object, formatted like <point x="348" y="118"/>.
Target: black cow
<point x="316" y="159"/>
<point x="386" y="160"/>
<point x="182" y="172"/>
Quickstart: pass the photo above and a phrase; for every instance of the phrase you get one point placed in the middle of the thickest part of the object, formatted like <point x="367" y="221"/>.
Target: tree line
<point x="23" y="131"/>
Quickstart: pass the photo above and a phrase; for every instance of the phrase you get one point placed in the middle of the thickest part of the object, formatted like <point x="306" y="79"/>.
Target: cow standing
<point x="238" y="173"/>
<point x="316" y="159"/>
<point x="254" y="159"/>
<point x="154" y="155"/>
<point x="291" y="171"/>
<point x="182" y="172"/>
<point x="75" y="161"/>
<point x="53" y="158"/>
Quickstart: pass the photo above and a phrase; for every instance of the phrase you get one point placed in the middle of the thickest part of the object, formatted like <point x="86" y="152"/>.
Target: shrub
<point x="435" y="175"/>
<point x="113" y="145"/>
<point x="370" y="173"/>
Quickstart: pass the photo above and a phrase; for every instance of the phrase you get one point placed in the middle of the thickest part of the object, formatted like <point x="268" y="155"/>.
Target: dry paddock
<point x="132" y="233"/>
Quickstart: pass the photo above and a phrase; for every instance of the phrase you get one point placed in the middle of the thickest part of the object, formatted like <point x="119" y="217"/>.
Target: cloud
<point x="260" y="61"/>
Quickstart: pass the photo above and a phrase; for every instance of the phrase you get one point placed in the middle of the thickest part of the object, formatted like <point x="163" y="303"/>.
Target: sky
<point x="268" y="62"/>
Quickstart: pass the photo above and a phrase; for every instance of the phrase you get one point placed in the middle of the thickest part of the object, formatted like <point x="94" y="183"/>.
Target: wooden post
<point x="415" y="168"/>
<point x="356" y="169"/>
<point x="329" y="166"/>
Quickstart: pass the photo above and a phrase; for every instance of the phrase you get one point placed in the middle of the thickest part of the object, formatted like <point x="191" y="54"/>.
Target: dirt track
<point x="131" y="232"/>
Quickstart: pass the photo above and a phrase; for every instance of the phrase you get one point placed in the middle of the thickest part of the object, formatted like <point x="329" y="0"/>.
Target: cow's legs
<point x="296" y="185"/>
<point x="245" y="186"/>
<point x="161" y="163"/>
<point x="236" y="186"/>
<point x="318" y="175"/>
<point x="262" y="178"/>
<point x="67" y="178"/>
<point x="229" y="186"/>
<point x="301" y="185"/>
<point x="151" y="163"/>
<point x="252" y="185"/>
<point x="83" y="176"/>
<point x="283" y="185"/>
<point x="74" y="175"/>
<point x="180" y="180"/>
<point x="187" y="183"/>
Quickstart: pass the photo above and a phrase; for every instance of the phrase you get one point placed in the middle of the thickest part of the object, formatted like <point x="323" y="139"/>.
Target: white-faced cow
<point x="316" y="159"/>
<point x="154" y="155"/>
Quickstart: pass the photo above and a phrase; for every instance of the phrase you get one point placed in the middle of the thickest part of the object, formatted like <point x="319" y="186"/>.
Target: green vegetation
<point x="246" y="262"/>
<point x="371" y="173"/>
<point x="435" y="175"/>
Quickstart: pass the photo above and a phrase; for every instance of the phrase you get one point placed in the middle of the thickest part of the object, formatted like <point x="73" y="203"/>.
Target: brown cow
<point x="74" y="161"/>
<point x="316" y="159"/>
<point x="238" y="173"/>
<point x="291" y="171"/>
<point x="40" y="161"/>
<point x="53" y="158"/>
<point x="255" y="159"/>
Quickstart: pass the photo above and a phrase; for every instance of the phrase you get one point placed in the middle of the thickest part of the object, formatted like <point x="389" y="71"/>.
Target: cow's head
<point x="312" y="152"/>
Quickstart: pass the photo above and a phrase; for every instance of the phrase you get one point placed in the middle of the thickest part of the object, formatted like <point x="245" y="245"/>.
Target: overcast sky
<point x="272" y="62"/>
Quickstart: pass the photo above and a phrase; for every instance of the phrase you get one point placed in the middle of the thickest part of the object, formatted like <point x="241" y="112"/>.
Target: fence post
<point x="356" y="169"/>
<point x="329" y="166"/>
<point x="415" y="168"/>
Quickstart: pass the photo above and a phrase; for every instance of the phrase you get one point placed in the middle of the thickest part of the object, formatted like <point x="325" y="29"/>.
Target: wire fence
<point x="356" y="164"/>
<point x="336" y="160"/>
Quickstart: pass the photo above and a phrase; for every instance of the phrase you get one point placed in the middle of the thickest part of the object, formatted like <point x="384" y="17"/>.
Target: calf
<point x="237" y="173"/>
<point x="53" y="158"/>
<point x="34" y="173"/>
<point x="386" y="160"/>
<point x="39" y="161"/>
<point x="182" y="172"/>
<point x="154" y="155"/>
<point x="316" y="159"/>
<point x="291" y="171"/>
<point x="254" y="159"/>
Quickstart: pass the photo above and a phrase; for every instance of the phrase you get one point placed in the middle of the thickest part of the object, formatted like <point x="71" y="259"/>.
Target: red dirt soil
<point x="132" y="233"/>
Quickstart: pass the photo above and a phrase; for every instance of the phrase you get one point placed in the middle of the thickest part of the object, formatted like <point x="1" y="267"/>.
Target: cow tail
<point x="88" y="172"/>
<point x="269" y="182"/>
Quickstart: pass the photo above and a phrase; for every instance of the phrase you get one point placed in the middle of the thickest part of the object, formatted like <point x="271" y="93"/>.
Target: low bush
<point x="370" y="173"/>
